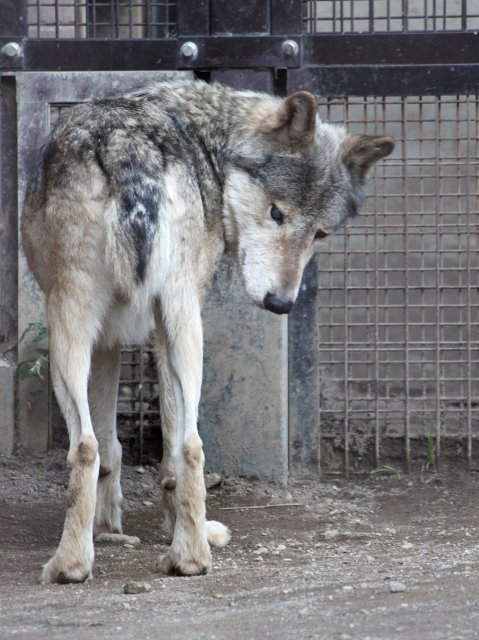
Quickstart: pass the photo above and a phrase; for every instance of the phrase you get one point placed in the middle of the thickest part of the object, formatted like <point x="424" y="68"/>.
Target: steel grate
<point x="375" y="16"/>
<point x="115" y="19"/>
<point x="399" y="301"/>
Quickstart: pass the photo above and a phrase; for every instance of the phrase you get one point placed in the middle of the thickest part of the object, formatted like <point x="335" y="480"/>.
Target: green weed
<point x="387" y="471"/>
<point x="35" y="367"/>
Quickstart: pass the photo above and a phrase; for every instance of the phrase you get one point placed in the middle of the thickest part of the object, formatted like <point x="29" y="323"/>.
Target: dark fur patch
<point x="86" y="452"/>
<point x="103" y="472"/>
<point x="73" y="495"/>
<point x="63" y="578"/>
<point x="139" y="205"/>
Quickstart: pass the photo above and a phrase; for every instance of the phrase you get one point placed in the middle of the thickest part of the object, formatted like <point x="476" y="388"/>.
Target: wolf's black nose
<point x="274" y="303"/>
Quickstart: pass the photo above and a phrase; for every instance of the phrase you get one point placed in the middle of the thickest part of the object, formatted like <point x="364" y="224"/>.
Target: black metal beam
<point x="9" y="213"/>
<point x="99" y="55"/>
<point x="391" y="48"/>
<point x="400" y="80"/>
<point x="239" y="52"/>
<point x="286" y="17"/>
<point x="13" y="21"/>
<point x="193" y="17"/>
<point x="247" y="16"/>
<point x="397" y="60"/>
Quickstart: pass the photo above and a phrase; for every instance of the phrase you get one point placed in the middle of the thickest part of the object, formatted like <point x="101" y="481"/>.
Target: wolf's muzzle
<point x="276" y="304"/>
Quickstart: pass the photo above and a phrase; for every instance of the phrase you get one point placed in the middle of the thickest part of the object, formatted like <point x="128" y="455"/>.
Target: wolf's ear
<point x="362" y="152"/>
<point x="294" y="122"/>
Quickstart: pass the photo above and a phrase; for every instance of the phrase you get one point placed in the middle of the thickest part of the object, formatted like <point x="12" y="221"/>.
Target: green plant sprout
<point x="35" y="367"/>
<point x="386" y="471"/>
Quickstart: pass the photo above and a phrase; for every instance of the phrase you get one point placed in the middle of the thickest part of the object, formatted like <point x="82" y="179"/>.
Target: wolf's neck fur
<point x="218" y="117"/>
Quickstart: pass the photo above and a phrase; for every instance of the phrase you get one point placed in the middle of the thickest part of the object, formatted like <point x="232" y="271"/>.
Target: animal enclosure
<point x="381" y="356"/>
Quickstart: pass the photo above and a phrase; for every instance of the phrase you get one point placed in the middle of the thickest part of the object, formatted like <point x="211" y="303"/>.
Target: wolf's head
<point x="293" y="181"/>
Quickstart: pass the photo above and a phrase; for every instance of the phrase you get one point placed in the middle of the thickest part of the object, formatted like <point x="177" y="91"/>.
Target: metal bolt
<point x="290" y="48"/>
<point x="12" y="50"/>
<point x="189" y="50"/>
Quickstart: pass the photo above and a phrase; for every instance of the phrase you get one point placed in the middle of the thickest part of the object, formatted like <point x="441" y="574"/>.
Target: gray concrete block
<point x="7" y="407"/>
<point x="244" y="406"/>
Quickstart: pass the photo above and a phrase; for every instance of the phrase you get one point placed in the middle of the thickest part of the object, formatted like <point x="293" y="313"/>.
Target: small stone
<point x="259" y="559"/>
<point x="141" y="470"/>
<point x="260" y="551"/>
<point x="396" y="587"/>
<point x="147" y="503"/>
<point x="136" y="587"/>
<point x="330" y="534"/>
<point x="345" y="636"/>
<point x="288" y="497"/>
<point x="212" y="480"/>
<point x="303" y="612"/>
<point x="407" y="545"/>
<point x="347" y="587"/>
<point x="128" y="546"/>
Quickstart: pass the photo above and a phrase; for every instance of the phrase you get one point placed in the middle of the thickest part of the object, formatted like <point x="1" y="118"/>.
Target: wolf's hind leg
<point x="70" y="350"/>
<point x="167" y="413"/>
<point x="217" y="534"/>
<point x="103" y="396"/>
<point x="180" y="351"/>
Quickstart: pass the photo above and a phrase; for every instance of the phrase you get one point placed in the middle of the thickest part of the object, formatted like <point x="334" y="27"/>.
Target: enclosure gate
<point x="380" y="359"/>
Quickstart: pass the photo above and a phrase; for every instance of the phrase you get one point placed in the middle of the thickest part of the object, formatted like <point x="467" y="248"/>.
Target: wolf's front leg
<point x="180" y="354"/>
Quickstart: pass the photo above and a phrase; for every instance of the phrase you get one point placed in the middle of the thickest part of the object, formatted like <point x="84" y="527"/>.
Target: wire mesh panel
<point x="399" y="301"/>
<point x="101" y="18"/>
<point x="359" y="16"/>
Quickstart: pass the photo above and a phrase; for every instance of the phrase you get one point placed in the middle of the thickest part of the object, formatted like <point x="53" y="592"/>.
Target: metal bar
<point x="407" y="416"/>
<point x="390" y="48"/>
<point x="303" y="375"/>
<point x="361" y="80"/>
<point x="438" y="294"/>
<point x="240" y="52"/>
<point x="13" y="22"/>
<point x="375" y="325"/>
<point x="346" y="357"/>
<point x="193" y="17"/>
<point x="468" y="298"/>
<point x="248" y="16"/>
<point x="111" y="55"/>
<point x="9" y="215"/>
<point x="286" y="17"/>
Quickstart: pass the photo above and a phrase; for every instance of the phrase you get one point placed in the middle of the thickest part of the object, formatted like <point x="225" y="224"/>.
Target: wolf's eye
<point x="320" y="234"/>
<point x="276" y="214"/>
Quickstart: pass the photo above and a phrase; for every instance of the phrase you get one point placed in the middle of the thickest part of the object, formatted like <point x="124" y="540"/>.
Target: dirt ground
<point x="322" y="567"/>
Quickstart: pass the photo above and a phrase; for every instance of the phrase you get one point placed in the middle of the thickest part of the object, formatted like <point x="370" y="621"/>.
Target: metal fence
<point x="375" y="16"/>
<point x="101" y="19"/>
<point x="399" y="297"/>
<point x="397" y="310"/>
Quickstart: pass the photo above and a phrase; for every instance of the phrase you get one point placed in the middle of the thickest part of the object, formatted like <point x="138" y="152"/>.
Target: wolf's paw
<point x="176" y="564"/>
<point x="218" y="534"/>
<point x="65" y="570"/>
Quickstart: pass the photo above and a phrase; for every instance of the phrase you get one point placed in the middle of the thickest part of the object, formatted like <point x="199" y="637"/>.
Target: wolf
<point x="125" y="219"/>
